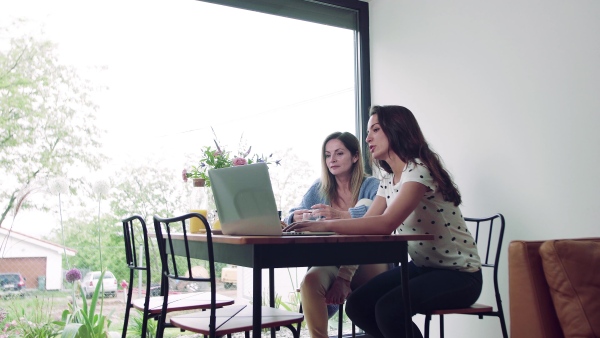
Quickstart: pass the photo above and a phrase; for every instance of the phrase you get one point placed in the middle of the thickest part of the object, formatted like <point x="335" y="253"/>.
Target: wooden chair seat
<point x="235" y="318"/>
<point x="473" y="309"/>
<point x="181" y="302"/>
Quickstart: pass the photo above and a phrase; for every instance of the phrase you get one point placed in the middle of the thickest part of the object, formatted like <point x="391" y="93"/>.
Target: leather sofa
<point x="554" y="288"/>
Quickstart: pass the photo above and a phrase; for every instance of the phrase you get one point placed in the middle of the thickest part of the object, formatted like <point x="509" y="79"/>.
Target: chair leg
<point x="126" y="319"/>
<point x="127" y="305"/>
<point x="160" y="327"/>
<point x="300" y="324"/>
<point x="145" y="319"/>
<point x="427" y="321"/>
<point x="441" y="326"/>
<point x="503" y="325"/>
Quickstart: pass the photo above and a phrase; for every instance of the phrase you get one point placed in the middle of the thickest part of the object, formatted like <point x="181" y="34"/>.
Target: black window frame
<point x="352" y="14"/>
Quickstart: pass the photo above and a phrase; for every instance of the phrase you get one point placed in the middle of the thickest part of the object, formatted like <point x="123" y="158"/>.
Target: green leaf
<point x="73" y="331"/>
<point x="97" y="291"/>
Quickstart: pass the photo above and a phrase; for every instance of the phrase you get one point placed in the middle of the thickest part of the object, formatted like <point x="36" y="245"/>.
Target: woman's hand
<point x="298" y="214"/>
<point x="338" y="292"/>
<point x="328" y="212"/>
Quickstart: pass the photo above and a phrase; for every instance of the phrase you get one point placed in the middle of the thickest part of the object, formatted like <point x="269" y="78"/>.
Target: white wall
<point x="508" y="93"/>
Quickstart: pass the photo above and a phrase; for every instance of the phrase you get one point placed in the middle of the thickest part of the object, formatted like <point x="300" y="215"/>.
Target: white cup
<point x="310" y="216"/>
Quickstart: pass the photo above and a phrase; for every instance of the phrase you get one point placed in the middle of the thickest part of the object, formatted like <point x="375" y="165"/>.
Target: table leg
<point x="256" y="301"/>
<point x="272" y="295"/>
<point x="405" y="293"/>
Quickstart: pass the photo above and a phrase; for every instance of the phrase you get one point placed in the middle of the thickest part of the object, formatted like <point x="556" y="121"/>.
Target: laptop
<point x="244" y="197"/>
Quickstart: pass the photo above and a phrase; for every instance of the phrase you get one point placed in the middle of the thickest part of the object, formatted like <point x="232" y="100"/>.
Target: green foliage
<point x="31" y="321"/>
<point x="293" y="303"/>
<point x="148" y="190"/>
<point x="136" y="327"/>
<point x="211" y="159"/>
<point x="84" y="322"/>
<point x="145" y="190"/>
<point x="218" y="158"/>
<point x="81" y="234"/>
<point x="46" y="118"/>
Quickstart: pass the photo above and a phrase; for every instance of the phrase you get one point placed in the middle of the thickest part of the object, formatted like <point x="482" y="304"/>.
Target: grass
<point x="56" y="302"/>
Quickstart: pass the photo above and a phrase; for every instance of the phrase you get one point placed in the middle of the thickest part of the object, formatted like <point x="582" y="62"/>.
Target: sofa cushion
<point x="571" y="270"/>
<point x="531" y="312"/>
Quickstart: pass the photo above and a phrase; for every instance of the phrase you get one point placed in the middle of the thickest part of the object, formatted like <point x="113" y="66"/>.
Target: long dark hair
<point x="328" y="182"/>
<point x="407" y="141"/>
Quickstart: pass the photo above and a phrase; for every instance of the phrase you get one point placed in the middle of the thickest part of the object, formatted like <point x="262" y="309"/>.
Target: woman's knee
<point x="366" y="272"/>
<point x="313" y="282"/>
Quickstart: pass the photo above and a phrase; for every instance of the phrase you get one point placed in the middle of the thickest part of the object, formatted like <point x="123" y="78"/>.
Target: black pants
<point x="377" y="306"/>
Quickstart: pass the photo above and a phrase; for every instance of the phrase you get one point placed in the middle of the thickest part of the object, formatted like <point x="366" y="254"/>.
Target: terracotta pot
<point x="199" y="182"/>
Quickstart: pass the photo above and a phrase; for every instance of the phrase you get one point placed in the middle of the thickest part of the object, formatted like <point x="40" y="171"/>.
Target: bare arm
<point x="378" y="220"/>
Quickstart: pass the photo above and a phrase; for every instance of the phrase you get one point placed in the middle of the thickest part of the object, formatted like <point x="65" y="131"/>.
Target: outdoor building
<point x="39" y="261"/>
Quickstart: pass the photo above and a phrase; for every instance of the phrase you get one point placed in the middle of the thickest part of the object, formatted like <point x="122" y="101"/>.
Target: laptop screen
<point x="245" y="201"/>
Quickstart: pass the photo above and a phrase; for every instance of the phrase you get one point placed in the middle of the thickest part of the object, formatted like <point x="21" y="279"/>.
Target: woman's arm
<point x="310" y="198"/>
<point x="384" y="220"/>
<point x="379" y="219"/>
<point x="368" y="190"/>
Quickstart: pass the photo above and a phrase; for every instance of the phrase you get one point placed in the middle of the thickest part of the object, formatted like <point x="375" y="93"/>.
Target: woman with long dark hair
<point x="417" y="196"/>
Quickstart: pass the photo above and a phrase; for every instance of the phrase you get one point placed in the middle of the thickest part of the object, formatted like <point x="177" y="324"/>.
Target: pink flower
<point x="239" y="161"/>
<point x="184" y="175"/>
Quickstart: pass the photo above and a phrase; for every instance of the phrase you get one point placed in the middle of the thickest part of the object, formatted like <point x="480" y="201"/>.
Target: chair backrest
<point x="131" y="226"/>
<point x="176" y="264"/>
<point x="489" y="233"/>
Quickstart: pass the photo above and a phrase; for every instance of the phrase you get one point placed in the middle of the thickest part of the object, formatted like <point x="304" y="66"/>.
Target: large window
<point x="277" y="75"/>
<point x="165" y="78"/>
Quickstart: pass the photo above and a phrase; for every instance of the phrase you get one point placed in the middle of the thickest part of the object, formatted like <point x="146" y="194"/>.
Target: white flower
<point x="101" y="188"/>
<point x="59" y="186"/>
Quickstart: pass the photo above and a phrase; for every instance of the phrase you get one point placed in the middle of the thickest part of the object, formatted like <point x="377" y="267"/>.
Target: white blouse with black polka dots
<point x="453" y="246"/>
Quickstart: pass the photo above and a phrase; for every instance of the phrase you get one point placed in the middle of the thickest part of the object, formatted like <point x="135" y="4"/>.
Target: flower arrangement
<point x="220" y="158"/>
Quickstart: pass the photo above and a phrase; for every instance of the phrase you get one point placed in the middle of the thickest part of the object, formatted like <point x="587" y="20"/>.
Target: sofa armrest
<point x="532" y="313"/>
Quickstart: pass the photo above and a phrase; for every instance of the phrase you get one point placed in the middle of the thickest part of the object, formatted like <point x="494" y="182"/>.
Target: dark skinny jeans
<point x="377" y="306"/>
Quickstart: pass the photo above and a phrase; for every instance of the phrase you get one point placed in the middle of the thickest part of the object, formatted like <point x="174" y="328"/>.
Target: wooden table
<point x="270" y="252"/>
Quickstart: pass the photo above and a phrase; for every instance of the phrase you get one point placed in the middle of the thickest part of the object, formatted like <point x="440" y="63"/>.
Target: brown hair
<point x="328" y="182"/>
<point x="407" y="141"/>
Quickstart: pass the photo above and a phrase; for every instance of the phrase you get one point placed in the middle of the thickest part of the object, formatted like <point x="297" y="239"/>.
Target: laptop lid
<point x="245" y="201"/>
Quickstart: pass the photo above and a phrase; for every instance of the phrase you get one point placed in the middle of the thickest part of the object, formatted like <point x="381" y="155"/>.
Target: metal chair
<point x="214" y="322"/>
<point x="489" y="244"/>
<point x="129" y="230"/>
<point x="151" y="305"/>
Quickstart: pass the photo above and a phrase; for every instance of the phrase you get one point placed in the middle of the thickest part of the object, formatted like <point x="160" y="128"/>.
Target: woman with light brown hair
<point x="342" y="192"/>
